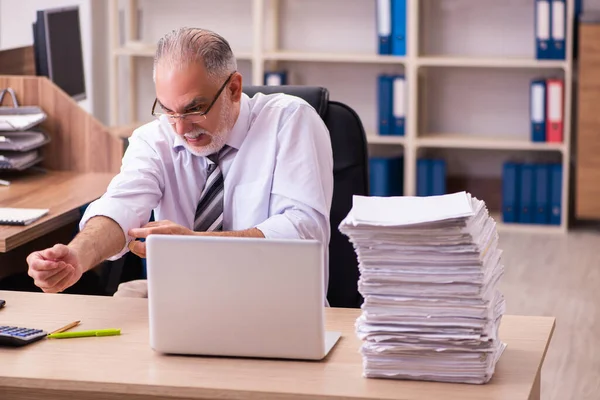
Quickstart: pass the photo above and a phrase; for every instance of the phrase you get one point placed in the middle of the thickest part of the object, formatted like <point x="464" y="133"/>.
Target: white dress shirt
<point x="279" y="179"/>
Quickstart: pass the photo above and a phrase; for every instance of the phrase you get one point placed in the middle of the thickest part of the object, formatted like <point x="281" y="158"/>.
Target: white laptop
<point x="238" y="297"/>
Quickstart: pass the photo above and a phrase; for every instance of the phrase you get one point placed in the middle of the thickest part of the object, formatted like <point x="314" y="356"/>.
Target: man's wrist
<point x="84" y="257"/>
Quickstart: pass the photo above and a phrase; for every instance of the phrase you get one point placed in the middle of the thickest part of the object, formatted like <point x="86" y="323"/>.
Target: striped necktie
<point x="209" y="213"/>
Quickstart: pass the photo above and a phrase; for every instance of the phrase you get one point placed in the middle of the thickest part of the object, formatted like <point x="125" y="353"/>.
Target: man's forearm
<point x="249" y="233"/>
<point x="100" y="238"/>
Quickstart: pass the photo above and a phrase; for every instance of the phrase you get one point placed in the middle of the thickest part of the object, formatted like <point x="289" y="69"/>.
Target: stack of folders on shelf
<point x="20" y="136"/>
<point x="391" y="27"/>
<point x="547" y="109"/>
<point x="391" y="101"/>
<point x="386" y="176"/>
<point x="431" y="177"/>
<point x="550" y="29"/>
<point x="429" y="273"/>
<point x="532" y="193"/>
<point x="275" y="78"/>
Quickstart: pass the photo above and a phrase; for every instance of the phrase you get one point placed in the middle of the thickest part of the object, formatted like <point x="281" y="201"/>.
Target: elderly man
<point x="214" y="162"/>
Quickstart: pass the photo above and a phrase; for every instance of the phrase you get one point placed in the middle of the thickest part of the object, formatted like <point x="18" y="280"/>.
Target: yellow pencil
<point x="66" y="327"/>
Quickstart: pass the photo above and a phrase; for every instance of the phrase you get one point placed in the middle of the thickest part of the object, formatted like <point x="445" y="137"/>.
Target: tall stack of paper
<point x="429" y="272"/>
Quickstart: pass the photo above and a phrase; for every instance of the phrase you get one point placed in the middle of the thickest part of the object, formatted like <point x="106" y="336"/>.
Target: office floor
<point x="559" y="275"/>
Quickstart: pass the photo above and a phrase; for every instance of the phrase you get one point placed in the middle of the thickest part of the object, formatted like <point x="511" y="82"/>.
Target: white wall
<point x="340" y="26"/>
<point x="591" y="5"/>
<point x="16" y="17"/>
<point x="477" y="27"/>
<point x="100" y="60"/>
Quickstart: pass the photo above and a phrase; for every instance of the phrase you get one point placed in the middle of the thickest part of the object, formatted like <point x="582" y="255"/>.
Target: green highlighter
<point x="99" y="332"/>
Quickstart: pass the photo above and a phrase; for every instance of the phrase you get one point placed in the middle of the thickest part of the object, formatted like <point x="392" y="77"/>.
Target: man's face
<point x="187" y="90"/>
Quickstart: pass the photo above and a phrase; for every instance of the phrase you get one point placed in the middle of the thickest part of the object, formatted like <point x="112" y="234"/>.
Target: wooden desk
<point x="125" y="367"/>
<point x="60" y="191"/>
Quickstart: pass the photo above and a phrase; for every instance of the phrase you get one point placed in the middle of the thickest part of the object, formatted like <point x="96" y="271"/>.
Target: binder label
<point x="554" y="102"/>
<point x="398" y="91"/>
<point x="558" y="18"/>
<point x="537" y="109"/>
<point x="273" y="80"/>
<point x="543" y="21"/>
<point x="384" y="17"/>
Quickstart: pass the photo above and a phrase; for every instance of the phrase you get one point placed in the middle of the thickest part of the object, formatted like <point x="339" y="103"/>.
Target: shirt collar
<point x="236" y="136"/>
<point x="240" y="128"/>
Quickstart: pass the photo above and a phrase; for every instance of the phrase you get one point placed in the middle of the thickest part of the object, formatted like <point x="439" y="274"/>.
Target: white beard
<point x="217" y="142"/>
<point x="219" y="137"/>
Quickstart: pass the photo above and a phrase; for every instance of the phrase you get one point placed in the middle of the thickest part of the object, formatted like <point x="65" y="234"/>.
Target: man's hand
<point x="55" y="269"/>
<point x="155" y="227"/>
<point x="59" y="267"/>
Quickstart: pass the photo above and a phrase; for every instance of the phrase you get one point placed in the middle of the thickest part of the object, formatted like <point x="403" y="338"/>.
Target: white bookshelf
<point x="467" y="68"/>
<point x="490" y="62"/>
<point x="465" y="141"/>
<point x="333" y="58"/>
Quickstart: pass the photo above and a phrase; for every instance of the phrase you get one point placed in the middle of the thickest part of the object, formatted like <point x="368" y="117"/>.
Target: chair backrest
<point x="350" y="174"/>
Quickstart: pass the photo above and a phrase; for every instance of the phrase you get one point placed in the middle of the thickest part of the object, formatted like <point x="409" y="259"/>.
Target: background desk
<point x="62" y="192"/>
<point x="125" y="367"/>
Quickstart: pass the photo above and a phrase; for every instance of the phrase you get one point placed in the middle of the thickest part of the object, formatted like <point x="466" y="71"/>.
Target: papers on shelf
<point x="22" y="141"/>
<point x="19" y="161"/>
<point x="20" y="118"/>
<point x="429" y="273"/>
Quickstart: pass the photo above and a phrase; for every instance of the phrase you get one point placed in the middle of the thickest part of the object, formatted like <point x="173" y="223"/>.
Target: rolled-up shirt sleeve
<point x="133" y="193"/>
<point x="302" y="188"/>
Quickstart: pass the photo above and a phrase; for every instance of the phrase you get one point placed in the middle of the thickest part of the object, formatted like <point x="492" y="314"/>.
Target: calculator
<point x="16" y="336"/>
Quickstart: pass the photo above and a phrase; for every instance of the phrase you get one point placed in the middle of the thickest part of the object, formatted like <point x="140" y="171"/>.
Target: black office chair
<point x="350" y="175"/>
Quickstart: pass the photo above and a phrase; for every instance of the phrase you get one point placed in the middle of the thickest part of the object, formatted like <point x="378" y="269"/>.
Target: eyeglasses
<point x="193" y="116"/>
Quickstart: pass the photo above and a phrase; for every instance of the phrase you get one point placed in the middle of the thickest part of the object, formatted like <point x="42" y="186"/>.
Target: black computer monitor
<point x="58" y="49"/>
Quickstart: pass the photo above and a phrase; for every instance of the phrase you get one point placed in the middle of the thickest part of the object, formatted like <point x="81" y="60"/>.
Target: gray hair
<point x="183" y="46"/>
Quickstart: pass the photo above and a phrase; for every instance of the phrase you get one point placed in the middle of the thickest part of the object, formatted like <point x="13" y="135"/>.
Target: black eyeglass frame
<point x="193" y="113"/>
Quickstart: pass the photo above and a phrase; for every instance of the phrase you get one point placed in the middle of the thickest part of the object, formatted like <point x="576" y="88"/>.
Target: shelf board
<point x="136" y="49"/>
<point x="464" y="141"/>
<point x="139" y="49"/>
<point x="333" y="57"/>
<point x="490" y="62"/>
<point x="525" y="228"/>
<point x="373" y="138"/>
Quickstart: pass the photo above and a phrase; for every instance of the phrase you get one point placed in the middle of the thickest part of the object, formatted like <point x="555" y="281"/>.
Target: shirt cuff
<point x="118" y="212"/>
<point x="278" y="227"/>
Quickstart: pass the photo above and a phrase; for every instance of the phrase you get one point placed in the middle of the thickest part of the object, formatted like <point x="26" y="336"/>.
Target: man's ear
<point x="235" y="87"/>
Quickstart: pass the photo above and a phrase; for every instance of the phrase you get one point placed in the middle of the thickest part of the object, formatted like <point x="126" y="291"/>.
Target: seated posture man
<point x="214" y="162"/>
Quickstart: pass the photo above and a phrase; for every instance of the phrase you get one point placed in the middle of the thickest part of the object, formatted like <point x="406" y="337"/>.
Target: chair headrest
<point x="316" y="96"/>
